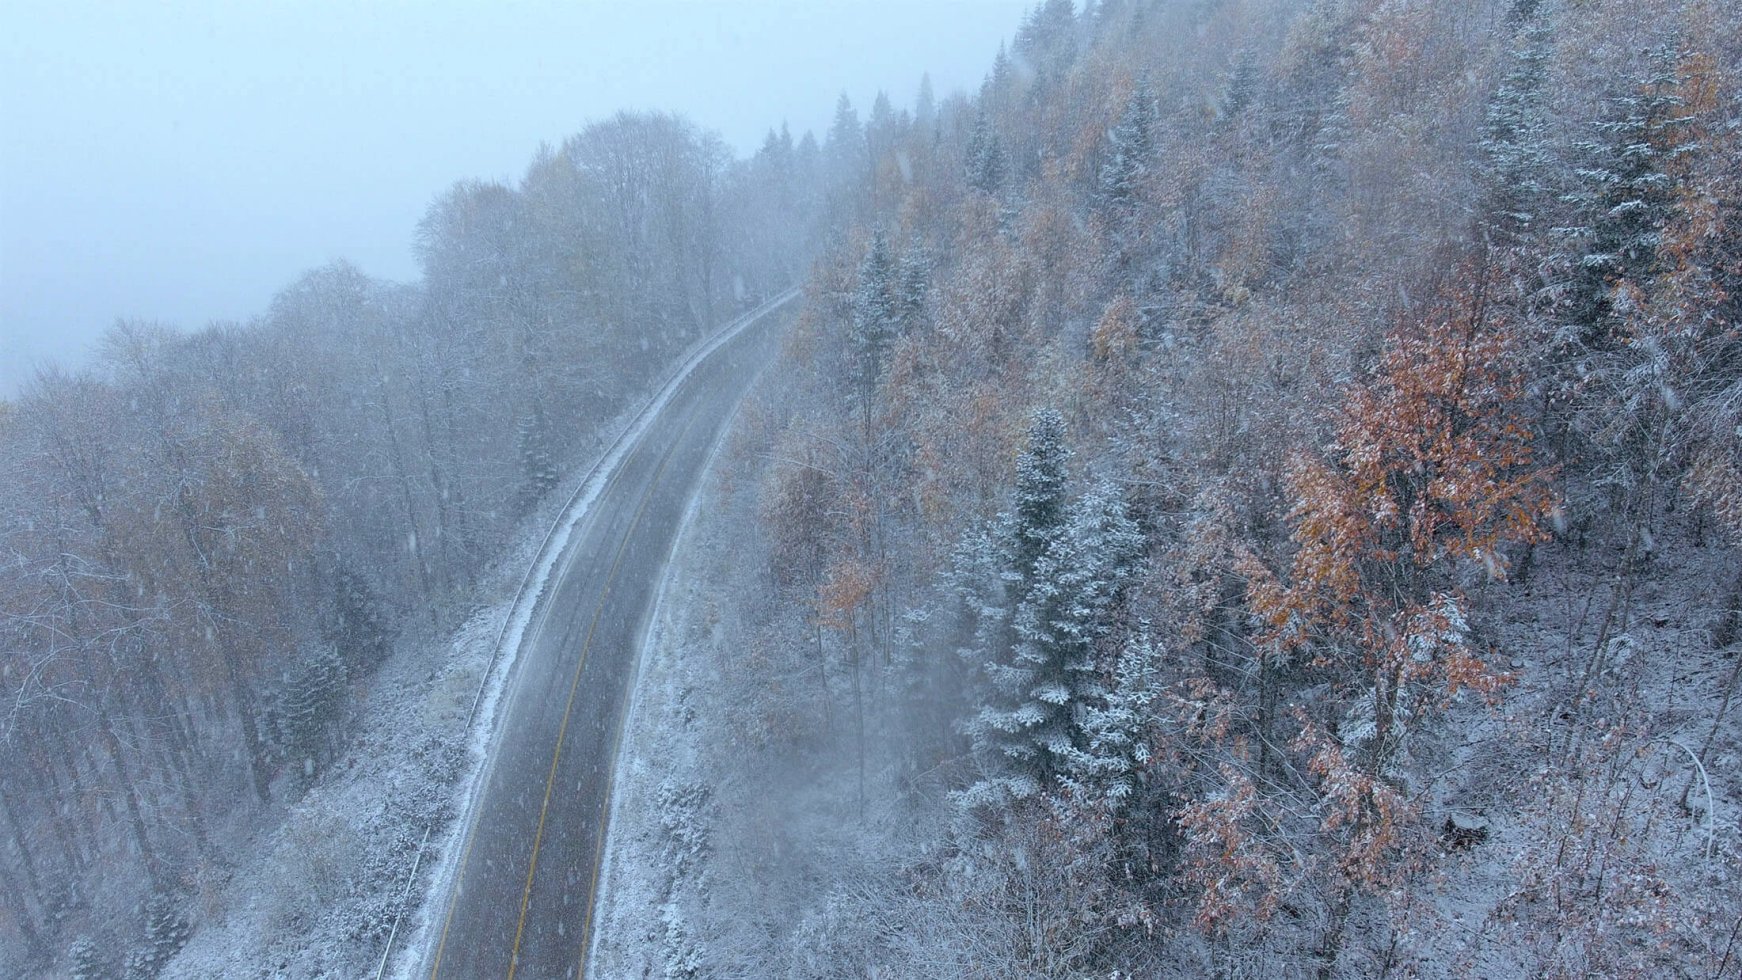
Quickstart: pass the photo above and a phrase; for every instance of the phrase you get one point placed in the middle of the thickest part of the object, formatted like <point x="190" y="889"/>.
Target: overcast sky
<point x="183" y="161"/>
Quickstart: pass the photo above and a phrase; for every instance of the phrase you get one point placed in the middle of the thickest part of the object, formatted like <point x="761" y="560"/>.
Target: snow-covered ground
<point x="658" y="829"/>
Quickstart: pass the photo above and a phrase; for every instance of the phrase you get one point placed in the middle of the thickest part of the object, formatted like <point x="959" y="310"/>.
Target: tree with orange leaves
<point x="1430" y="468"/>
<point x="1430" y="471"/>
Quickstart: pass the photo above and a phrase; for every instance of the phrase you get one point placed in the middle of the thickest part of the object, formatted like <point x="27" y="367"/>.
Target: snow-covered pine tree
<point x="1131" y="146"/>
<point x="925" y="104"/>
<point x="85" y="962"/>
<point x="1119" y="730"/>
<point x="312" y="701"/>
<point x="1611" y="368"/>
<point x="913" y="286"/>
<point x="986" y="163"/>
<point x="537" y="467"/>
<point x="995" y="574"/>
<point x="1079" y="587"/>
<point x="1065" y="568"/>
<point x="881" y="129"/>
<point x="1515" y="139"/>
<point x="1047" y="40"/>
<point x="1041" y="504"/>
<point x="1622" y="198"/>
<point x="360" y="629"/>
<point x="1241" y="90"/>
<point x="167" y="930"/>
<point x="874" y="311"/>
<point x="844" y="149"/>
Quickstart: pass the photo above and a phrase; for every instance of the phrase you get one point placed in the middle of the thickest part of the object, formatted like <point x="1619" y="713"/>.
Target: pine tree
<point x="1117" y="730"/>
<point x="1131" y="147"/>
<point x="1515" y="138"/>
<point x="913" y="286"/>
<point x="1068" y="613"/>
<point x="1241" y="90"/>
<point x="1043" y="587"/>
<point x="537" y="468"/>
<point x="874" y="312"/>
<point x="995" y="574"/>
<point x="360" y="629"/>
<point x="986" y="162"/>
<point x="167" y="930"/>
<point x="311" y="706"/>
<point x="925" y="106"/>
<point x="880" y="128"/>
<point x="1047" y="39"/>
<point x="845" y="146"/>
<point x="85" y="962"/>
<point x="1623" y="197"/>
<point x="1002" y="75"/>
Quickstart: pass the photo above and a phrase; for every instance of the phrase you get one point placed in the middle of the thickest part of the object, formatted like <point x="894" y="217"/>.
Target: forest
<point x="1255" y="490"/>
<point x="211" y="540"/>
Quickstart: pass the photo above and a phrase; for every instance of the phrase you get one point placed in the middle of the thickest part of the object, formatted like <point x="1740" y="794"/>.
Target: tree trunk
<point x="26" y="858"/>
<point x="48" y="790"/>
<point x="419" y="563"/>
<point x="129" y="794"/>
<point x="243" y="700"/>
<point x="27" y="927"/>
<point x="1729" y="616"/>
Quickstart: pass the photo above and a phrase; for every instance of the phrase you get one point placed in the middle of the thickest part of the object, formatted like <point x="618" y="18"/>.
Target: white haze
<point x="183" y="161"/>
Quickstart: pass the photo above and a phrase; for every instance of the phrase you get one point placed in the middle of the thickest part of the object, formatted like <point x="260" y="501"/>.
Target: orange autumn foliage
<point x="1430" y="470"/>
<point x="1430" y="466"/>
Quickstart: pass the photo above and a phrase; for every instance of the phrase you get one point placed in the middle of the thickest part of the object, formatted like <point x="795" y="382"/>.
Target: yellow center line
<point x="575" y="685"/>
<point x="471" y="836"/>
<point x="599" y="848"/>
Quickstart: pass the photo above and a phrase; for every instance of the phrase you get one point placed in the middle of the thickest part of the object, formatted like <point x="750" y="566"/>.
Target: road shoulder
<point x="658" y="836"/>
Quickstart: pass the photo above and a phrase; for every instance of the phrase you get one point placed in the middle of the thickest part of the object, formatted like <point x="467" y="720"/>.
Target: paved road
<point x="522" y="901"/>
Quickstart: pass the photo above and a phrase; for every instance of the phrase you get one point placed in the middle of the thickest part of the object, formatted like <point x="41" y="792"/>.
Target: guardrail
<point x="674" y="376"/>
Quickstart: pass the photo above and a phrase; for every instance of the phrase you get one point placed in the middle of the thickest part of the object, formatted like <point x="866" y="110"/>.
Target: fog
<point x="183" y="161"/>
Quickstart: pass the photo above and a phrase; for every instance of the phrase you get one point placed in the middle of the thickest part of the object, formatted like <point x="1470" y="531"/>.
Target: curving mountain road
<point x="521" y="902"/>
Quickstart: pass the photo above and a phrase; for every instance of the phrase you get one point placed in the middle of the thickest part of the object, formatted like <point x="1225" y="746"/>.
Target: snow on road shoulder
<point x="658" y="827"/>
<point x="657" y="834"/>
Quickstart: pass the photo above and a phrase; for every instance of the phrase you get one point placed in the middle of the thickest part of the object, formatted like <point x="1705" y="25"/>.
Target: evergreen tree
<point x="1108" y="769"/>
<point x="1241" y="90"/>
<point x="880" y="129"/>
<point x="1047" y="40"/>
<point x="987" y="164"/>
<point x="1062" y="570"/>
<point x="1515" y="137"/>
<point x="86" y="963"/>
<point x="1077" y="586"/>
<point x="874" y="311"/>
<point x="1131" y="147"/>
<point x="994" y="575"/>
<point x="311" y="706"/>
<point x="998" y="82"/>
<point x="1040" y="493"/>
<point x="845" y="147"/>
<point x="1622" y="198"/>
<point x="360" y="629"/>
<point x="925" y="106"/>
<point x="537" y="468"/>
<point x="912" y="286"/>
<point x="167" y="930"/>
